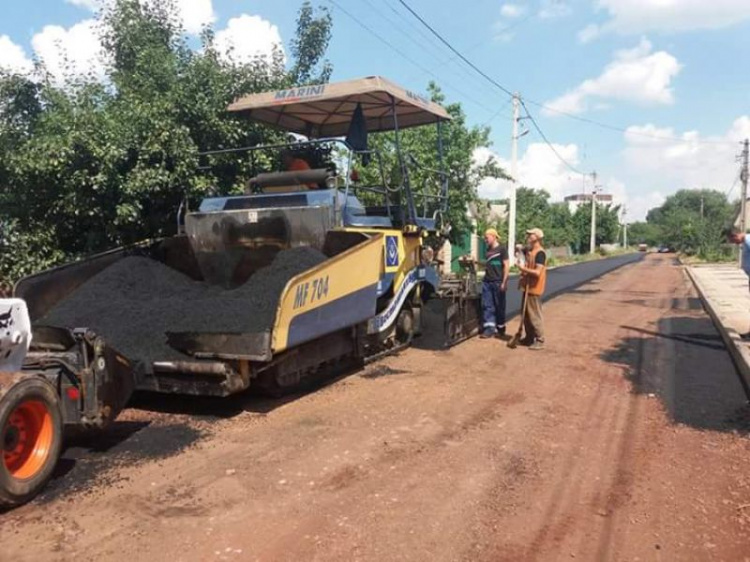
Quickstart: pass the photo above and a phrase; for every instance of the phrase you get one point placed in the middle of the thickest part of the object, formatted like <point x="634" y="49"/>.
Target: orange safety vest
<point x="300" y="165"/>
<point x="535" y="285"/>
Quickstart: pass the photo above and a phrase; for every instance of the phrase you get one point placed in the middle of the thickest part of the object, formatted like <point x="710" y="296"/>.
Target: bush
<point x="25" y="252"/>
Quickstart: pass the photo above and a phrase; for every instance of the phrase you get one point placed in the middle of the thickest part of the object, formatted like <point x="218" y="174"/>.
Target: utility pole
<point x="743" y="177"/>
<point x="592" y="248"/>
<point x="514" y="182"/>
<point x="624" y="227"/>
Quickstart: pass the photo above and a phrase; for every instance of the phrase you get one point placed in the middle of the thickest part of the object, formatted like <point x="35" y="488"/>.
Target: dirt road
<point x="627" y="439"/>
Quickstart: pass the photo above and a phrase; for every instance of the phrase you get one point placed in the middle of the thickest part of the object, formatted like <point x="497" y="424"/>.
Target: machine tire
<point x="31" y="438"/>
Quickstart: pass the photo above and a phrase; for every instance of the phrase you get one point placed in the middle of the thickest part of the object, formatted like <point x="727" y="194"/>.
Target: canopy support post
<point x="443" y="174"/>
<point x="411" y="217"/>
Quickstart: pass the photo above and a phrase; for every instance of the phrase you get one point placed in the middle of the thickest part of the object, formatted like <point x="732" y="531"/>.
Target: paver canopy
<point x="326" y="110"/>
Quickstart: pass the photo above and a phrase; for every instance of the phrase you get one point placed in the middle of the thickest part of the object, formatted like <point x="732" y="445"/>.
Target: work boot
<point x="487" y="334"/>
<point x="537" y="345"/>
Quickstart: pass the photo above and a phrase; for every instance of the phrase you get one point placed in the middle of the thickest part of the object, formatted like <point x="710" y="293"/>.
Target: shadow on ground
<point x="684" y="362"/>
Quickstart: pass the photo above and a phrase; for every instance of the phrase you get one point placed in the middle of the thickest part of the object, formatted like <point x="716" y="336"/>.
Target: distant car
<point x="642" y="247"/>
<point x="664" y="250"/>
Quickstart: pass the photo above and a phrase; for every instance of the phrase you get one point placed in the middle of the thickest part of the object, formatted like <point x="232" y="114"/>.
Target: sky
<point x="652" y="95"/>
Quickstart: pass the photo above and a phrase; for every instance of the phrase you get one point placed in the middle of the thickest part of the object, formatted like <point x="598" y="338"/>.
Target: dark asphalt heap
<point x="135" y="301"/>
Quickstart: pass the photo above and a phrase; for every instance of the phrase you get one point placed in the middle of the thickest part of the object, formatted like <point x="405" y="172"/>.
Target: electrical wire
<point x="417" y="28"/>
<point x="432" y="49"/>
<point x="545" y="106"/>
<point x="484" y="41"/>
<point x="498" y="113"/>
<point x="623" y="129"/>
<point x="456" y="51"/>
<point x="405" y="56"/>
<point x="401" y="30"/>
<point x="729" y="191"/>
<point x="549" y="144"/>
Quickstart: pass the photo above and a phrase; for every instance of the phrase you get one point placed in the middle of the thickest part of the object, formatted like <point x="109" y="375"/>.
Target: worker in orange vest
<point x="292" y="163"/>
<point x="533" y="281"/>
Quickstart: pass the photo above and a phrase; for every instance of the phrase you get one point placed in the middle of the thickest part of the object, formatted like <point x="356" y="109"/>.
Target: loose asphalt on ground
<point x="133" y="441"/>
<point x="625" y="439"/>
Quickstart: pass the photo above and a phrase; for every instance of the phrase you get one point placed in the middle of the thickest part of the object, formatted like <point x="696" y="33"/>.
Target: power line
<point x="546" y="140"/>
<point x="622" y="129"/>
<point x="401" y="29"/>
<point x="429" y="40"/>
<point x="452" y="48"/>
<point x="411" y="24"/>
<point x="545" y="106"/>
<point x="498" y="112"/>
<point x="484" y="42"/>
<point x="729" y="191"/>
<point x="405" y="56"/>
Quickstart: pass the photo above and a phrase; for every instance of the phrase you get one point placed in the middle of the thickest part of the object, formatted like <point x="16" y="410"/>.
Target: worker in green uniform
<point x="494" y="286"/>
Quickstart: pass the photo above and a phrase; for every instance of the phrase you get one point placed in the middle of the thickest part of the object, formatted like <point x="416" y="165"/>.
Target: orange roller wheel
<point x="27" y="439"/>
<point x="31" y="428"/>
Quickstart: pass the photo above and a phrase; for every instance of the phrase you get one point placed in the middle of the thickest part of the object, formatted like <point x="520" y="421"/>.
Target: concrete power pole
<point x="743" y="177"/>
<point x="624" y="227"/>
<point x="514" y="182"/>
<point x="592" y="247"/>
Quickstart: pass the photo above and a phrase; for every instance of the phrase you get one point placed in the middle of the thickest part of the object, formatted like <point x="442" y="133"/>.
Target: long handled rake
<point x="513" y="343"/>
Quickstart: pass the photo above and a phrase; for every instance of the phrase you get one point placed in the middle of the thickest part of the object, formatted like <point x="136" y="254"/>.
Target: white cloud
<point x="635" y="203"/>
<point x="694" y="162"/>
<point x="70" y="52"/>
<point x="195" y="14"/>
<point x="13" y="58"/>
<point x="589" y="33"/>
<point x="636" y="75"/>
<point x="511" y="11"/>
<point x="247" y="37"/>
<point x="92" y="5"/>
<point x="640" y="16"/>
<point x="538" y="168"/>
<point x="554" y="9"/>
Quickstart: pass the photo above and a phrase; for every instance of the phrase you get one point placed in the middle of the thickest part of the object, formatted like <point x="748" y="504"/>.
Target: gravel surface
<point x="624" y="440"/>
<point x="135" y="301"/>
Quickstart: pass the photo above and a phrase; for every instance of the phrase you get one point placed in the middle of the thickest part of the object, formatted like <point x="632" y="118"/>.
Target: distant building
<point x="576" y="200"/>
<point x="498" y="212"/>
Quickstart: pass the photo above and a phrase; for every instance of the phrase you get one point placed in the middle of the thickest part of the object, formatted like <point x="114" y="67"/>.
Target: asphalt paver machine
<point x="70" y="358"/>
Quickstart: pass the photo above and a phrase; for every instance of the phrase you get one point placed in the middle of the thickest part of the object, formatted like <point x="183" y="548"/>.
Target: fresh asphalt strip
<point x="568" y="278"/>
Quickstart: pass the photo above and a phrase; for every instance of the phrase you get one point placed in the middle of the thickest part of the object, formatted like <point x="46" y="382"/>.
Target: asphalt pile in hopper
<point x="134" y="302"/>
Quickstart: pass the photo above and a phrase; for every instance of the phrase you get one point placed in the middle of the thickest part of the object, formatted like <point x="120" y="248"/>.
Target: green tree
<point x="691" y="221"/>
<point x="534" y="210"/>
<point x="607" y="226"/>
<point x="89" y="165"/>
<point x="420" y="149"/>
<point x="309" y="46"/>
<point x="645" y="233"/>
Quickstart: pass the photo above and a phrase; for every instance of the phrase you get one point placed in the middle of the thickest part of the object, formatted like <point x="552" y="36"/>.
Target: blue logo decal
<point x="391" y="251"/>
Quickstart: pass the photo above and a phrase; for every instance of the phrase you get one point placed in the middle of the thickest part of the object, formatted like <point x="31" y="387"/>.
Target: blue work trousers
<point x="493" y="307"/>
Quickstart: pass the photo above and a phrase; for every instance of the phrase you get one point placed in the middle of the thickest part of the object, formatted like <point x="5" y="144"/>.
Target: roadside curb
<point x="739" y="353"/>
